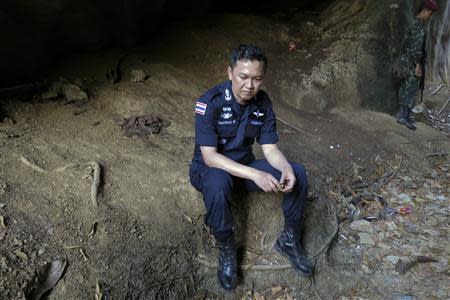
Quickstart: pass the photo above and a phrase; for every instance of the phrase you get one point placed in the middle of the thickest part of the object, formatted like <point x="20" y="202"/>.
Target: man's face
<point x="246" y="79"/>
<point x="427" y="14"/>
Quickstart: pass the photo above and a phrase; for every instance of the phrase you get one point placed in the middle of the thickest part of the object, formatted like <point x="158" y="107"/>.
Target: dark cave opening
<point x="36" y="35"/>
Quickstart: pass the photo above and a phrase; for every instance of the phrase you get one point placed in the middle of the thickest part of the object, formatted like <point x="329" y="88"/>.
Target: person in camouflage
<point x="413" y="53"/>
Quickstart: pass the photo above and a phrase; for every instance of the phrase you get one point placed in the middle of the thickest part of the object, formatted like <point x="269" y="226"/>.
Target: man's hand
<point x="266" y="182"/>
<point x="288" y="179"/>
<point x="419" y="72"/>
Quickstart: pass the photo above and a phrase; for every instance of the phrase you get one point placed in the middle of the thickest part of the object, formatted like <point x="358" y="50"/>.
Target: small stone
<point x="137" y="76"/>
<point x="40" y="251"/>
<point x="405" y="198"/>
<point x="50" y="94"/>
<point x="434" y="174"/>
<point x="441" y="198"/>
<point x="73" y="93"/>
<point x="2" y="205"/>
<point x="431" y="197"/>
<point x="384" y="246"/>
<point x="388" y="281"/>
<point x="409" y="184"/>
<point x="50" y="229"/>
<point x="362" y="226"/>
<point x="366" y="269"/>
<point x="392" y="259"/>
<point x="366" y="239"/>
<point x="21" y="254"/>
<point x="399" y="296"/>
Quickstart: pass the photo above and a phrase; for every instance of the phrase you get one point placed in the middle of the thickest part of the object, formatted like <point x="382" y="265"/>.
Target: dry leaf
<point x="98" y="292"/>
<point x="276" y="289"/>
<point x="48" y="277"/>
<point x="247" y="295"/>
<point x="2" y="222"/>
<point x="258" y="296"/>
<point x="189" y="219"/>
<point x="20" y="254"/>
<point x="403" y="265"/>
<point x="289" y="297"/>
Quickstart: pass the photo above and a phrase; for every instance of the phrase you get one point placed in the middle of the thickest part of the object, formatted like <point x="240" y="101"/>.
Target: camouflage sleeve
<point x="417" y="39"/>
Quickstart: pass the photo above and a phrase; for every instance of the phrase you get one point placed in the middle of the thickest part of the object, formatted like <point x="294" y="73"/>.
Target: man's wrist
<point x="253" y="173"/>
<point x="286" y="168"/>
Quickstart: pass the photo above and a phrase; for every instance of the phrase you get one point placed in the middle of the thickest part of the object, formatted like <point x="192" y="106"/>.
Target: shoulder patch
<point x="200" y="108"/>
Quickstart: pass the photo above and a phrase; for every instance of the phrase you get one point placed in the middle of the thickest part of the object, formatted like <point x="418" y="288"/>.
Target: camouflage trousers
<point x="408" y="90"/>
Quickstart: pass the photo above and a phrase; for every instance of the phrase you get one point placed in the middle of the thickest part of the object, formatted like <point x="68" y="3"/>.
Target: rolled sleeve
<point x="269" y="133"/>
<point x="205" y="131"/>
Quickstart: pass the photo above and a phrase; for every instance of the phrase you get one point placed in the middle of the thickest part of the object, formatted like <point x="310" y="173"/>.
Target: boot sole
<point x="300" y="273"/>
<point x="404" y="124"/>
<point x="228" y="292"/>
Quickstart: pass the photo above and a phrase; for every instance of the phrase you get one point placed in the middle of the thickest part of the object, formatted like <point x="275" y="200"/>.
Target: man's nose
<point x="249" y="84"/>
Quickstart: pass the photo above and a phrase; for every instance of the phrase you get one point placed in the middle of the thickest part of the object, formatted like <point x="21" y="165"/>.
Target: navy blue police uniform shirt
<point x="221" y="122"/>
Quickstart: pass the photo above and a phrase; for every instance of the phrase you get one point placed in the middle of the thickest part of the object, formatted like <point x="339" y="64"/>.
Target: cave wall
<point x="439" y="44"/>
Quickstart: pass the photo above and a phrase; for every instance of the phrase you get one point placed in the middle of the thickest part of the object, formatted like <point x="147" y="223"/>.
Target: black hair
<point x="248" y="52"/>
<point x="422" y="7"/>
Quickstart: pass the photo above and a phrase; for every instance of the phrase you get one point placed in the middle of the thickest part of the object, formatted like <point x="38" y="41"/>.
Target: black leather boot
<point x="400" y="113"/>
<point x="404" y="119"/>
<point x="409" y="116"/>
<point x="288" y="245"/>
<point x="227" y="272"/>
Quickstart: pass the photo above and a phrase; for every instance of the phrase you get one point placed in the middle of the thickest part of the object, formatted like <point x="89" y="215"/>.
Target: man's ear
<point x="230" y="72"/>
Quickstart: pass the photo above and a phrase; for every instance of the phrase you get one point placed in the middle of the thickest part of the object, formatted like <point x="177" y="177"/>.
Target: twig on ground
<point x="32" y="165"/>
<point x="83" y="254"/>
<point x="62" y="169"/>
<point x="395" y="171"/>
<point x="295" y="128"/>
<point x="438" y="154"/>
<point x="95" y="183"/>
<point x="438" y="89"/>
<point x="39" y="169"/>
<point x="72" y="247"/>
<point x="444" y="106"/>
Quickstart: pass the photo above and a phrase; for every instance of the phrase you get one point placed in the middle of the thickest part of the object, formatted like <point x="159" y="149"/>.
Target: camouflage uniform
<point x="412" y="54"/>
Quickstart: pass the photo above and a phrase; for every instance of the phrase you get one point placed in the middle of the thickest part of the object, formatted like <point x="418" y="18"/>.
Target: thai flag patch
<point x="200" y="108"/>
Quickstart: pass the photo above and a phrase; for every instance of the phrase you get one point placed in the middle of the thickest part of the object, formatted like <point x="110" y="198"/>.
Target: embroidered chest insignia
<point x="258" y="114"/>
<point x="226" y="116"/>
<point x="227" y="95"/>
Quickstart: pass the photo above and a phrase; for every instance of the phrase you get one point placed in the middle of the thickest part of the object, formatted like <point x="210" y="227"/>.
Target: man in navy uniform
<point x="228" y="119"/>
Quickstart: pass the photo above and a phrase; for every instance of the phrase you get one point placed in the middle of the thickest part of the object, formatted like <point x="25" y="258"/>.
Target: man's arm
<point x="277" y="160"/>
<point x="263" y="180"/>
<point x="417" y="37"/>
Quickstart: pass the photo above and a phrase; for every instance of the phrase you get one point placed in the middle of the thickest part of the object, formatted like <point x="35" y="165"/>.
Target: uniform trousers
<point x="217" y="186"/>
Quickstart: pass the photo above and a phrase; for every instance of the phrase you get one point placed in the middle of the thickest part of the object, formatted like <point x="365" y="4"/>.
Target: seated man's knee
<point x="300" y="172"/>
<point x="218" y="180"/>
